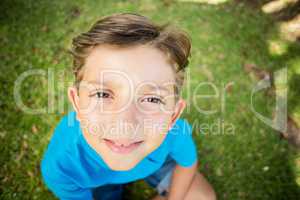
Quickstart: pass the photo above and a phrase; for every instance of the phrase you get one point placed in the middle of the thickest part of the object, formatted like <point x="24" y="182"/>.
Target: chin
<point x="121" y="166"/>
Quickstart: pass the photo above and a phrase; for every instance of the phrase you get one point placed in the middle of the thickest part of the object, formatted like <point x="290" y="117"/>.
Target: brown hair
<point x="127" y="29"/>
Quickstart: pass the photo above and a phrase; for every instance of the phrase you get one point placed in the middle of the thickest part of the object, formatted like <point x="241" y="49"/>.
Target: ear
<point x="179" y="108"/>
<point x="74" y="100"/>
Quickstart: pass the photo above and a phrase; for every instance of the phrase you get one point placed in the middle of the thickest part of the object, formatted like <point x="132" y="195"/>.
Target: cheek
<point x="95" y="124"/>
<point x="156" y="126"/>
<point x="94" y="106"/>
<point x="150" y="109"/>
<point x="84" y="99"/>
<point x="155" y="137"/>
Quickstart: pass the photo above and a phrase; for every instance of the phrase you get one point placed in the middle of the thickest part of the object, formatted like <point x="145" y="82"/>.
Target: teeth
<point x="122" y="145"/>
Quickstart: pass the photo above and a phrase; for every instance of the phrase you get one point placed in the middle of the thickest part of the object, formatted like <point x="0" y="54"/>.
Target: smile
<point x="121" y="148"/>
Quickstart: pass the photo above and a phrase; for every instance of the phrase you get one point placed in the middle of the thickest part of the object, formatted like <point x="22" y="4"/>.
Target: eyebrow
<point x="148" y="86"/>
<point x="157" y="87"/>
<point x="101" y="83"/>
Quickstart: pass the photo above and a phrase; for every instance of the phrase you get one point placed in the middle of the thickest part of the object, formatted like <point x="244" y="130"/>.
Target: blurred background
<point x="236" y="44"/>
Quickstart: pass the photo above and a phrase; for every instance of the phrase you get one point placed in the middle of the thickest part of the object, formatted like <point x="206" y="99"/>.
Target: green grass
<point x="252" y="162"/>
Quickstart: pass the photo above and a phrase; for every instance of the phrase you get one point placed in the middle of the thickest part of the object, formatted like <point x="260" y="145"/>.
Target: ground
<point x="234" y="46"/>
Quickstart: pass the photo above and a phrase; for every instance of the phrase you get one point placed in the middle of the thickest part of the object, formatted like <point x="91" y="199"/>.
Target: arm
<point x="183" y="151"/>
<point x="181" y="180"/>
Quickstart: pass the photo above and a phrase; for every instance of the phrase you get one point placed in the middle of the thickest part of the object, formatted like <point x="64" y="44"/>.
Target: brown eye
<point x="102" y="95"/>
<point x="153" y="100"/>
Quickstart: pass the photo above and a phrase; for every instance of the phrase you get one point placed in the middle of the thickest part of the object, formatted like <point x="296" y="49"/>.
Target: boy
<point x="126" y="102"/>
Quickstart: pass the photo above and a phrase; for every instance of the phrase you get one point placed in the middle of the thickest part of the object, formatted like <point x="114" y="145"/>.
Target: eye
<point x="101" y="94"/>
<point x="153" y="100"/>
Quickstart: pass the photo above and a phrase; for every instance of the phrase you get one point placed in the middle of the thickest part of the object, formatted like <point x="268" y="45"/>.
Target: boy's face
<point x="126" y="102"/>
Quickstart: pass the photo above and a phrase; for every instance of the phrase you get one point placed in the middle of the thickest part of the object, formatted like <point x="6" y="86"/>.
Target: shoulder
<point x="182" y="146"/>
<point x="60" y="166"/>
<point x="181" y="127"/>
<point x="67" y="123"/>
<point x="65" y="131"/>
<point x="62" y="138"/>
<point x="179" y="133"/>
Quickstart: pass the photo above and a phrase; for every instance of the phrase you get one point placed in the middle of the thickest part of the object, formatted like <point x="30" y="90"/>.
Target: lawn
<point x="242" y="157"/>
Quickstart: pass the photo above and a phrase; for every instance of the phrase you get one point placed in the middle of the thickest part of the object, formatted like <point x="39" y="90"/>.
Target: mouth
<point x="121" y="148"/>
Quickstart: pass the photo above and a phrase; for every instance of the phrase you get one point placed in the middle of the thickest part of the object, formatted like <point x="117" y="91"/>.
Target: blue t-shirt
<point x="71" y="167"/>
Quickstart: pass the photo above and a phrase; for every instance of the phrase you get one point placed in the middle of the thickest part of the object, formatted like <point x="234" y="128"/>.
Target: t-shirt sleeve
<point x="53" y="173"/>
<point x="183" y="149"/>
<point x="64" y="189"/>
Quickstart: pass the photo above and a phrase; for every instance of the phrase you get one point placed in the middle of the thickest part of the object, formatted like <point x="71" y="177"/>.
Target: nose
<point x="129" y="114"/>
<point x="127" y="125"/>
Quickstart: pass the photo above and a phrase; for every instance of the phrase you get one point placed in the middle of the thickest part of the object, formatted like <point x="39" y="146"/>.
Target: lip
<point x="121" y="148"/>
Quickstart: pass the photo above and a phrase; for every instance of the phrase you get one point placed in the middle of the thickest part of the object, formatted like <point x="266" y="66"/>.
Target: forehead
<point x="140" y="65"/>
